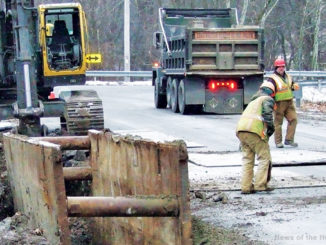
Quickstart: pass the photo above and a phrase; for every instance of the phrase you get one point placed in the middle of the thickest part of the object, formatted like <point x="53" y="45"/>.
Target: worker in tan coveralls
<point x="253" y="130"/>
<point x="284" y="102"/>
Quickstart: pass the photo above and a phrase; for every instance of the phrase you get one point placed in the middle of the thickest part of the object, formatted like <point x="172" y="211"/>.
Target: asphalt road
<point x="132" y="108"/>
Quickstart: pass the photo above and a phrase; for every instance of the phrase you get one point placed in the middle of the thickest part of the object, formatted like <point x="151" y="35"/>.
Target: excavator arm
<point x="18" y="61"/>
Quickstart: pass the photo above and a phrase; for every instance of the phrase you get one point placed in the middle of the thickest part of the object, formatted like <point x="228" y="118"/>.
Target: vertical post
<point x="2" y="37"/>
<point x="98" y="46"/>
<point x="127" y="38"/>
<point x="298" y="95"/>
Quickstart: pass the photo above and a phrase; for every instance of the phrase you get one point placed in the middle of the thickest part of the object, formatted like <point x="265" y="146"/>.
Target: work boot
<point x="290" y="143"/>
<point x="248" y="192"/>
<point x="279" y="145"/>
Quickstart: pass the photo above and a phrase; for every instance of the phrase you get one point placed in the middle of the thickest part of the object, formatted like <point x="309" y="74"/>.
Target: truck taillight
<point x="215" y="84"/>
<point x="156" y="64"/>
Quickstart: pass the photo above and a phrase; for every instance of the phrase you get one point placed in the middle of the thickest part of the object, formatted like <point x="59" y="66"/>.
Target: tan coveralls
<point x="252" y="145"/>
<point x="252" y="133"/>
<point x="285" y="109"/>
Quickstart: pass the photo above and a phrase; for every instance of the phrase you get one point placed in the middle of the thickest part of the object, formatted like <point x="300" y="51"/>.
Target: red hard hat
<point x="279" y="62"/>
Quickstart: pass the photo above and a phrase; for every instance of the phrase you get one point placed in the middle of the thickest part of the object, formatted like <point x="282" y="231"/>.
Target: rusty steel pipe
<point x="69" y="142"/>
<point x="77" y="173"/>
<point x="123" y="206"/>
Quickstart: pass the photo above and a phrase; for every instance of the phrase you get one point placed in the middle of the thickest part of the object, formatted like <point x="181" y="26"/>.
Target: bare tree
<point x="314" y="62"/>
<point x="298" y="60"/>
<point x="244" y="11"/>
<point x="269" y="6"/>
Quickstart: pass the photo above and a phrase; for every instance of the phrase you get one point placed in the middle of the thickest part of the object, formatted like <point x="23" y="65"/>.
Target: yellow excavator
<point x="41" y="48"/>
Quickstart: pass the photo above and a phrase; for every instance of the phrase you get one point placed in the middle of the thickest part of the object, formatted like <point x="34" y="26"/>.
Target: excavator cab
<point x="62" y="40"/>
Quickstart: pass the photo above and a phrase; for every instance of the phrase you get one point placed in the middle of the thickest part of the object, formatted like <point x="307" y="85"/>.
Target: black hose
<point x="278" y="165"/>
<point x="278" y="188"/>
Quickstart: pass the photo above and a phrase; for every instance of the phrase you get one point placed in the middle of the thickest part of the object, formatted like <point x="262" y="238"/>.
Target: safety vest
<point x="252" y="120"/>
<point x="283" y="88"/>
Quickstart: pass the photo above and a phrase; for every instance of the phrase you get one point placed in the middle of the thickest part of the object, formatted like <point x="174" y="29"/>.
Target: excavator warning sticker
<point x="93" y="58"/>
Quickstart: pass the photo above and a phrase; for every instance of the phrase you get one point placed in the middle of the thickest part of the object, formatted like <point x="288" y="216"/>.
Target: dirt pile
<point x="6" y="202"/>
<point x="15" y="230"/>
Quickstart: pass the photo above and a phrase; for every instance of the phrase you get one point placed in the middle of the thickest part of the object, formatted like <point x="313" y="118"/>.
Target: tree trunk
<point x="314" y="63"/>
<point x="270" y="5"/>
<point x="298" y="60"/>
<point x="244" y="12"/>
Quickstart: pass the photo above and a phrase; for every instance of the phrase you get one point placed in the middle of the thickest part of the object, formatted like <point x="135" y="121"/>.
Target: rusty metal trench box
<point x="139" y="188"/>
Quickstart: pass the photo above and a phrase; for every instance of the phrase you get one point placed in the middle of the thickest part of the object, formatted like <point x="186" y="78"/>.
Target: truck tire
<point x="160" y="99"/>
<point x="168" y="91"/>
<point x="174" y="95"/>
<point x="184" y="109"/>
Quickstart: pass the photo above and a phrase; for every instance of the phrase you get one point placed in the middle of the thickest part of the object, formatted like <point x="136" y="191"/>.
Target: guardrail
<point x="303" y="74"/>
<point x="119" y="73"/>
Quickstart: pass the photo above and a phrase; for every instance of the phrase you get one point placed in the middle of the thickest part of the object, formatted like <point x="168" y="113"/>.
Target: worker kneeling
<point x="253" y="130"/>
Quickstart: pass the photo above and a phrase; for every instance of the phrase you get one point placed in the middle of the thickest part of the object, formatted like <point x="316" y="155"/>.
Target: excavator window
<point x="63" y="40"/>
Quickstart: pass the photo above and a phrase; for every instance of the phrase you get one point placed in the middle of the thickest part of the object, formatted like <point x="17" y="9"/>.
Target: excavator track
<point x="83" y="111"/>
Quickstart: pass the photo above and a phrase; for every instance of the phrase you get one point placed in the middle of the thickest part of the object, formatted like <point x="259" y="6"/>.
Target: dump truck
<point x="41" y="48"/>
<point x="208" y="61"/>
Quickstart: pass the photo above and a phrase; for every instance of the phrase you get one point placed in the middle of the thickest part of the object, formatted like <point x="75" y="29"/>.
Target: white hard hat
<point x="267" y="84"/>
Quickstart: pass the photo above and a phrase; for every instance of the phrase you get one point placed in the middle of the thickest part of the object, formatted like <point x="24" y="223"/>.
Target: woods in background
<point x="294" y="29"/>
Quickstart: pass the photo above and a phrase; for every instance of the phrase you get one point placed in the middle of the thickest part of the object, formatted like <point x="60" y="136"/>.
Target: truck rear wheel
<point x="168" y="91"/>
<point x="184" y="109"/>
<point x="160" y="99"/>
<point x="174" y="95"/>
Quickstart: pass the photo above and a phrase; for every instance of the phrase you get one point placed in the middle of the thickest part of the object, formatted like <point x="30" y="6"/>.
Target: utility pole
<point x="127" y="38"/>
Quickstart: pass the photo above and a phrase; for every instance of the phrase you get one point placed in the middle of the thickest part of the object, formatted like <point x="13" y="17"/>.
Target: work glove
<point x="295" y="86"/>
<point x="270" y="131"/>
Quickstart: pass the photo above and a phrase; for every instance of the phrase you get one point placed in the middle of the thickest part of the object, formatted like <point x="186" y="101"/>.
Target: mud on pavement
<point x="285" y="216"/>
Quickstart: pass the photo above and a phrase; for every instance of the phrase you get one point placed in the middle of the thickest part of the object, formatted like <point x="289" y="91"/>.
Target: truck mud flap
<point x="141" y="185"/>
<point x="223" y="101"/>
